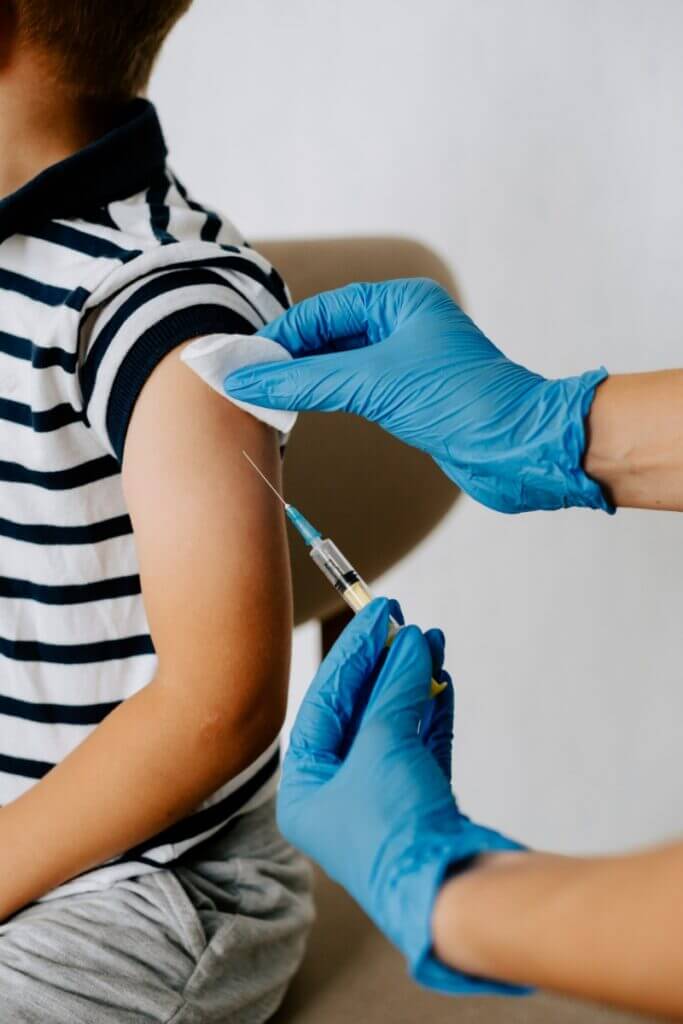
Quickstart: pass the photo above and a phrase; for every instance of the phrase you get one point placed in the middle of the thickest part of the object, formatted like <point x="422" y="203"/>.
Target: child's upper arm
<point x="212" y="552"/>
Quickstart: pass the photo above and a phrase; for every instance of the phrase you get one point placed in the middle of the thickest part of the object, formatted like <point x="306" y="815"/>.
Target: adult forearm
<point x="634" y="445"/>
<point x="608" y="929"/>
<point x="149" y="763"/>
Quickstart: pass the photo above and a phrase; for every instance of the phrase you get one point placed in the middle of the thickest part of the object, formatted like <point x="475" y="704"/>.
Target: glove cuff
<point x="422" y="875"/>
<point x="582" y="491"/>
<point x="540" y="465"/>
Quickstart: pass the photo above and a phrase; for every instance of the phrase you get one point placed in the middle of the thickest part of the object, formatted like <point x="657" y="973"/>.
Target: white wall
<point x="538" y="145"/>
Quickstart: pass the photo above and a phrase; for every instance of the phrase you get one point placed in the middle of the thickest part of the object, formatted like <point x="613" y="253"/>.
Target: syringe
<point x="348" y="583"/>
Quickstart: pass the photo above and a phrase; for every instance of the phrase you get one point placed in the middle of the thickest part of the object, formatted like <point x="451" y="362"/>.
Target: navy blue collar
<point x="117" y="165"/>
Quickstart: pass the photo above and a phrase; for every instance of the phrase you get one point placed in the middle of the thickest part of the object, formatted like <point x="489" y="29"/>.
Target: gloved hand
<point x="403" y="354"/>
<point x="366" y="788"/>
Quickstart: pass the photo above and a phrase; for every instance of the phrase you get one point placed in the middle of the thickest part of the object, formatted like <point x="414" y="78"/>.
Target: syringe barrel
<point x="341" y="574"/>
<point x="351" y="586"/>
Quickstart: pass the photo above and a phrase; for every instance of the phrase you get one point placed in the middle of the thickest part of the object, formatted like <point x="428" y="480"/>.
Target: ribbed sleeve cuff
<point x="150" y="348"/>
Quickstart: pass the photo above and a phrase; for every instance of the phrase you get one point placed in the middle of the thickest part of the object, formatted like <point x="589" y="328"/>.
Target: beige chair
<point x="378" y="499"/>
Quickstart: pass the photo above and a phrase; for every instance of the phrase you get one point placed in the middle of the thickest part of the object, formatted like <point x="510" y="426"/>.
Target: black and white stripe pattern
<point x="90" y="304"/>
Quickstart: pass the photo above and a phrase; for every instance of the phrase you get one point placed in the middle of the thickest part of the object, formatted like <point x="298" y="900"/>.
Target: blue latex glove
<point x="366" y="792"/>
<point x="403" y="354"/>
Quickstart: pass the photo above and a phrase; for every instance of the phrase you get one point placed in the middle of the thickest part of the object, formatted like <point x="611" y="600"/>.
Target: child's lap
<point x="215" y="940"/>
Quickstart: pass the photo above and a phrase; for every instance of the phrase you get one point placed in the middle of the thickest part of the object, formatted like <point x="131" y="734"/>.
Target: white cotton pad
<point x="214" y="357"/>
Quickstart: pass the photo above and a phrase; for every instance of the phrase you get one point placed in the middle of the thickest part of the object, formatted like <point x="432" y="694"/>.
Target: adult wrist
<point x="610" y="454"/>
<point x="413" y="890"/>
<point x="456" y="918"/>
<point x="635" y="439"/>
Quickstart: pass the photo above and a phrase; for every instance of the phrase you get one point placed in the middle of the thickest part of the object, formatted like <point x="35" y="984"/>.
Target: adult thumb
<point x="327" y="383"/>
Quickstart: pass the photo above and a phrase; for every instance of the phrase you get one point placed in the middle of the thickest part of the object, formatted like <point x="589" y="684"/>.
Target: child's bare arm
<point x="215" y="578"/>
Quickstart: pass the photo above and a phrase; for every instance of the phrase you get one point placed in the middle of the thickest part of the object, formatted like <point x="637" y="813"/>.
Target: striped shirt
<point x="106" y="264"/>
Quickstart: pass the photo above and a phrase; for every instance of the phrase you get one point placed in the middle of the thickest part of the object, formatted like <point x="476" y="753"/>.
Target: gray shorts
<point x="215" y="939"/>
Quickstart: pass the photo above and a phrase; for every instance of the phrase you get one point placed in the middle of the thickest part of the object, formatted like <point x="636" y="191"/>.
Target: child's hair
<point x="101" y="49"/>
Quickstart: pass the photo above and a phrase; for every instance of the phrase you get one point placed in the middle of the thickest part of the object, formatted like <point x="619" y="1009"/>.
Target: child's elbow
<point x="224" y="719"/>
<point x="242" y="728"/>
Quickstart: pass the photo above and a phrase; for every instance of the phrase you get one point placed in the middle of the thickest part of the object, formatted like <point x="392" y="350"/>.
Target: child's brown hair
<point x="99" y="49"/>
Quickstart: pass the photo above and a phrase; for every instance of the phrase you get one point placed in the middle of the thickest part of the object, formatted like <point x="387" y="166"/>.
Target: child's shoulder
<point x="183" y="271"/>
<point x="162" y="229"/>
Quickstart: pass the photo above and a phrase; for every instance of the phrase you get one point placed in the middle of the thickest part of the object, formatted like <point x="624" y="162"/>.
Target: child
<point x="145" y="611"/>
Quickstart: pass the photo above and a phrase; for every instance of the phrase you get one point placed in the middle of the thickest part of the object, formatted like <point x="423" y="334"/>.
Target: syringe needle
<point x="264" y="478"/>
<point x="332" y="563"/>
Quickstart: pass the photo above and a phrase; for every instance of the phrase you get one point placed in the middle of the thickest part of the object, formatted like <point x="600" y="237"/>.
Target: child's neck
<point x="40" y="125"/>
